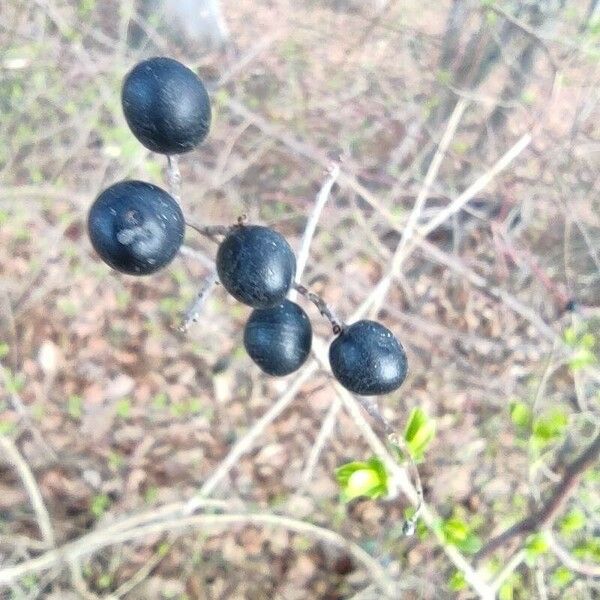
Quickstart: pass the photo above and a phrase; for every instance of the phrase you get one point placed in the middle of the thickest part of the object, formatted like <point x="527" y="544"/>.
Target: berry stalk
<point x="336" y="324"/>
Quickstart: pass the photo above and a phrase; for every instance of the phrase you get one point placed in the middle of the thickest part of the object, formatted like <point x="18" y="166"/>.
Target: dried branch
<point x="548" y="512"/>
<point x="313" y="220"/>
<point x="192" y="314"/>
<point x="324" y="433"/>
<point x="35" y="496"/>
<point x="92" y="542"/>
<point x="413" y="218"/>
<point x="378" y="294"/>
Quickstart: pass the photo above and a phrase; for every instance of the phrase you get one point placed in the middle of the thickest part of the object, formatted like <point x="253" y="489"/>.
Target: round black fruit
<point x="166" y="106"/>
<point x="367" y="359"/>
<point x="136" y="227"/>
<point x="256" y="265"/>
<point x="278" y="339"/>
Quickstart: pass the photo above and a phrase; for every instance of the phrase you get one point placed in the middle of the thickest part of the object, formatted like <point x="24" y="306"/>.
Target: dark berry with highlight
<point x="136" y="227"/>
<point x="367" y="359"/>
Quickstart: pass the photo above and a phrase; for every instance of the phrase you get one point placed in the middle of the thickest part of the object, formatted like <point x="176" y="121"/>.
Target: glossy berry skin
<point x="256" y="265"/>
<point x="367" y="359"/>
<point x="278" y="339"/>
<point x="166" y="106"/>
<point x="136" y="227"/>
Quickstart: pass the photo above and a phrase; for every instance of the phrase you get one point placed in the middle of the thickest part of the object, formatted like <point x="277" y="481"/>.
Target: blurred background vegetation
<point x="114" y="410"/>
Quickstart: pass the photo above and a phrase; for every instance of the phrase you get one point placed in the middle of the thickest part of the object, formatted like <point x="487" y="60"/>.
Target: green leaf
<point x="99" y="505"/>
<point x="574" y="521"/>
<point x="457" y="581"/>
<point x="4" y="350"/>
<point x="549" y="426"/>
<point x="570" y="336"/>
<point x="588" y="550"/>
<point x="419" y="433"/>
<point x="123" y="408"/>
<point x="506" y="591"/>
<point x="583" y="357"/>
<point x="562" y="577"/>
<point x="14" y="382"/>
<point x="535" y="546"/>
<point x="74" y="406"/>
<point x="455" y="530"/>
<point x="520" y="414"/>
<point x="471" y="545"/>
<point x="368" y="479"/>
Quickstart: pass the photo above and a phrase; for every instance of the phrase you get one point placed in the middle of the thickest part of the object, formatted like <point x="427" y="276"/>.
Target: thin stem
<point x="37" y="502"/>
<point x="192" y="315"/>
<point x="336" y="323"/>
<point x="212" y="231"/>
<point x="311" y="224"/>
<point x="174" y="177"/>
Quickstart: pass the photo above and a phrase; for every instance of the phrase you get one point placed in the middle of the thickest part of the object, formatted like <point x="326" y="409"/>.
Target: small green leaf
<point x="535" y="546"/>
<point x="455" y="530"/>
<point x="124" y="408"/>
<point x="520" y="414"/>
<point x="574" y="521"/>
<point x="358" y="479"/>
<point x="14" y="382"/>
<point x="582" y="357"/>
<point x="457" y="581"/>
<point x="588" y="550"/>
<point x="562" y="577"/>
<point x="549" y="426"/>
<point x="74" y="406"/>
<point x="471" y="545"/>
<point x="99" y="505"/>
<point x="6" y="427"/>
<point x="419" y="433"/>
<point x="506" y="591"/>
<point x="570" y="336"/>
<point x="4" y="350"/>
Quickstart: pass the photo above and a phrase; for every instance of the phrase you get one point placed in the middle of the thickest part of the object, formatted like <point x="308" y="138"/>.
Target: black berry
<point x="278" y="339"/>
<point x="367" y="359"/>
<point x="166" y="106"/>
<point x="136" y="227"/>
<point x="256" y="266"/>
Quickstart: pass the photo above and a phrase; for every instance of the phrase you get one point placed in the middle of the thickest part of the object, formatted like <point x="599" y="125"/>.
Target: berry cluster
<point x="138" y="228"/>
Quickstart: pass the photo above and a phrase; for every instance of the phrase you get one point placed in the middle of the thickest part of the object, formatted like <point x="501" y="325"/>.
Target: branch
<point x="192" y="314"/>
<point x="585" y="569"/>
<point x="547" y="514"/>
<point x="37" y="502"/>
<point x="455" y="206"/>
<point x="413" y="218"/>
<point x="92" y="542"/>
<point x="311" y="224"/>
